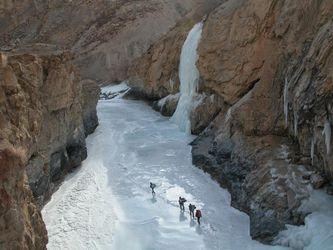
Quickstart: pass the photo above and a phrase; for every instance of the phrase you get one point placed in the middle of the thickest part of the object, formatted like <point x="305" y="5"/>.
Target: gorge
<point x="250" y="80"/>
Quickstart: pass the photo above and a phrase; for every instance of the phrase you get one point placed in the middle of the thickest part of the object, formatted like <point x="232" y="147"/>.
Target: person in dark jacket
<point x="191" y="208"/>
<point x="198" y="215"/>
<point x="152" y="186"/>
<point x="181" y="202"/>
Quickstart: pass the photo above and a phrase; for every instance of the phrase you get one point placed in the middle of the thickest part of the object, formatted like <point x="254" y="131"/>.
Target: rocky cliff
<point x="268" y="65"/>
<point x="42" y="137"/>
<point x="105" y="35"/>
<point x="155" y="74"/>
<point x="47" y="110"/>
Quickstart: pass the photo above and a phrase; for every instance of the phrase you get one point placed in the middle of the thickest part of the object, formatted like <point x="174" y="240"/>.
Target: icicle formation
<point x="189" y="78"/>
<point x="327" y="133"/>
<point x="285" y="100"/>
<point x="295" y="122"/>
<point x="312" y="149"/>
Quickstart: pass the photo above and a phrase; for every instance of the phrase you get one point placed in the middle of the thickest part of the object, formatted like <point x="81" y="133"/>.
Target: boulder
<point x="167" y="105"/>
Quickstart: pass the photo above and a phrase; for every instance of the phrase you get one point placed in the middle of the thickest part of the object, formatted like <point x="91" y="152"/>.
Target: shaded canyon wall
<point x="42" y="136"/>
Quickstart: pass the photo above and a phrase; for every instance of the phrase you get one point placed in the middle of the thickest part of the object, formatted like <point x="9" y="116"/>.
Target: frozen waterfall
<point x="189" y="78"/>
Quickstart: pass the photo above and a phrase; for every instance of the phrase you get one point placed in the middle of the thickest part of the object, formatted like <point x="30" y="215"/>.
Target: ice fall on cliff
<point x="189" y="78"/>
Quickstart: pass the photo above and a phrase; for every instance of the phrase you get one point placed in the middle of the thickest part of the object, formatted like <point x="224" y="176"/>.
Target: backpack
<point x="198" y="213"/>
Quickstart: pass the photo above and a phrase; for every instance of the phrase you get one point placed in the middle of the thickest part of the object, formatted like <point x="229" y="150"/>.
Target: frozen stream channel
<point x="107" y="204"/>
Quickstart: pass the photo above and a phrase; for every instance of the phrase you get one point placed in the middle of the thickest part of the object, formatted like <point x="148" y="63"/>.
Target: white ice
<point x="189" y="78"/>
<point x="107" y="204"/>
<point x="115" y="88"/>
<point x="317" y="233"/>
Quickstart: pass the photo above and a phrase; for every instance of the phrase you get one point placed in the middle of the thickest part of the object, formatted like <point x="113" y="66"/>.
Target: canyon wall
<point x="43" y="114"/>
<point x="104" y="35"/>
<point x="47" y="110"/>
<point x="155" y="74"/>
<point x="268" y="65"/>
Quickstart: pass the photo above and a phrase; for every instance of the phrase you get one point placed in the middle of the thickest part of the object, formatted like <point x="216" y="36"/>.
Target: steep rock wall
<point x="155" y="74"/>
<point x="42" y="137"/>
<point x="108" y="33"/>
<point x="268" y="65"/>
<point x="270" y="62"/>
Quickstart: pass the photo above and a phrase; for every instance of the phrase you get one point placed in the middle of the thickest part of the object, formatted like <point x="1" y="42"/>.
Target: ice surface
<point x="189" y="78"/>
<point x="317" y="233"/>
<point x="107" y="203"/>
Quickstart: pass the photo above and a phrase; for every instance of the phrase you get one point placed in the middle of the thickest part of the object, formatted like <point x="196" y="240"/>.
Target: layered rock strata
<point x="42" y="137"/>
<point x="108" y="33"/>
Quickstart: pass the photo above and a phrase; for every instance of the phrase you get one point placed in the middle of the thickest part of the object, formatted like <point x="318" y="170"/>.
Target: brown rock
<point x="249" y="51"/>
<point x="108" y="33"/>
<point x="204" y="109"/>
<point x="3" y="60"/>
<point x="155" y="74"/>
<point x="41" y="137"/>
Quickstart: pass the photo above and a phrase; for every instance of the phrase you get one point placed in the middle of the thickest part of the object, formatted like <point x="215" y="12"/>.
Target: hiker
<point x="152" y="186"/>
<point x="198" y="215"/>
<point x="191" y="208"/>
<point x="181" y="203"/>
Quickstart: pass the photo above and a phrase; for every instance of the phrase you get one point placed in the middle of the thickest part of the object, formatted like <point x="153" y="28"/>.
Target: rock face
<point x="42" y="136"/>
<point x="90" y="98"/>
<point x="108" y="33"/>
<point x="204" y="109"/>
<point x="269" y="62"/>
<point x="167" y="105"/>
<point x="155" y="74"/>
<point x="267" y="135"/>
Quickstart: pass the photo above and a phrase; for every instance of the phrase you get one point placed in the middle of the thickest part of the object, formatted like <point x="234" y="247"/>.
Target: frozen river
<point x="107" y="203"/>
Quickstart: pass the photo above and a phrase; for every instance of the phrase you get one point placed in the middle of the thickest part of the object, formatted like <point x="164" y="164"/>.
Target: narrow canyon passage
<point x="107" y="204"/>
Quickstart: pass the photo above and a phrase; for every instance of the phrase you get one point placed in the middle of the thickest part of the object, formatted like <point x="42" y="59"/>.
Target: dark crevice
<point x="251" y="85"/>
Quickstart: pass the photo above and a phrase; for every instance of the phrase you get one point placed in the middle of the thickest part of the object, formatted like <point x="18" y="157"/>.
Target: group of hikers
<point x="181" y="202"/>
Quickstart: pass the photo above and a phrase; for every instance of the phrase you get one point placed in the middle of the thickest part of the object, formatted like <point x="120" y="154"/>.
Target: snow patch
<point x="112" y="91"/>
<point x="317" y="233"/>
